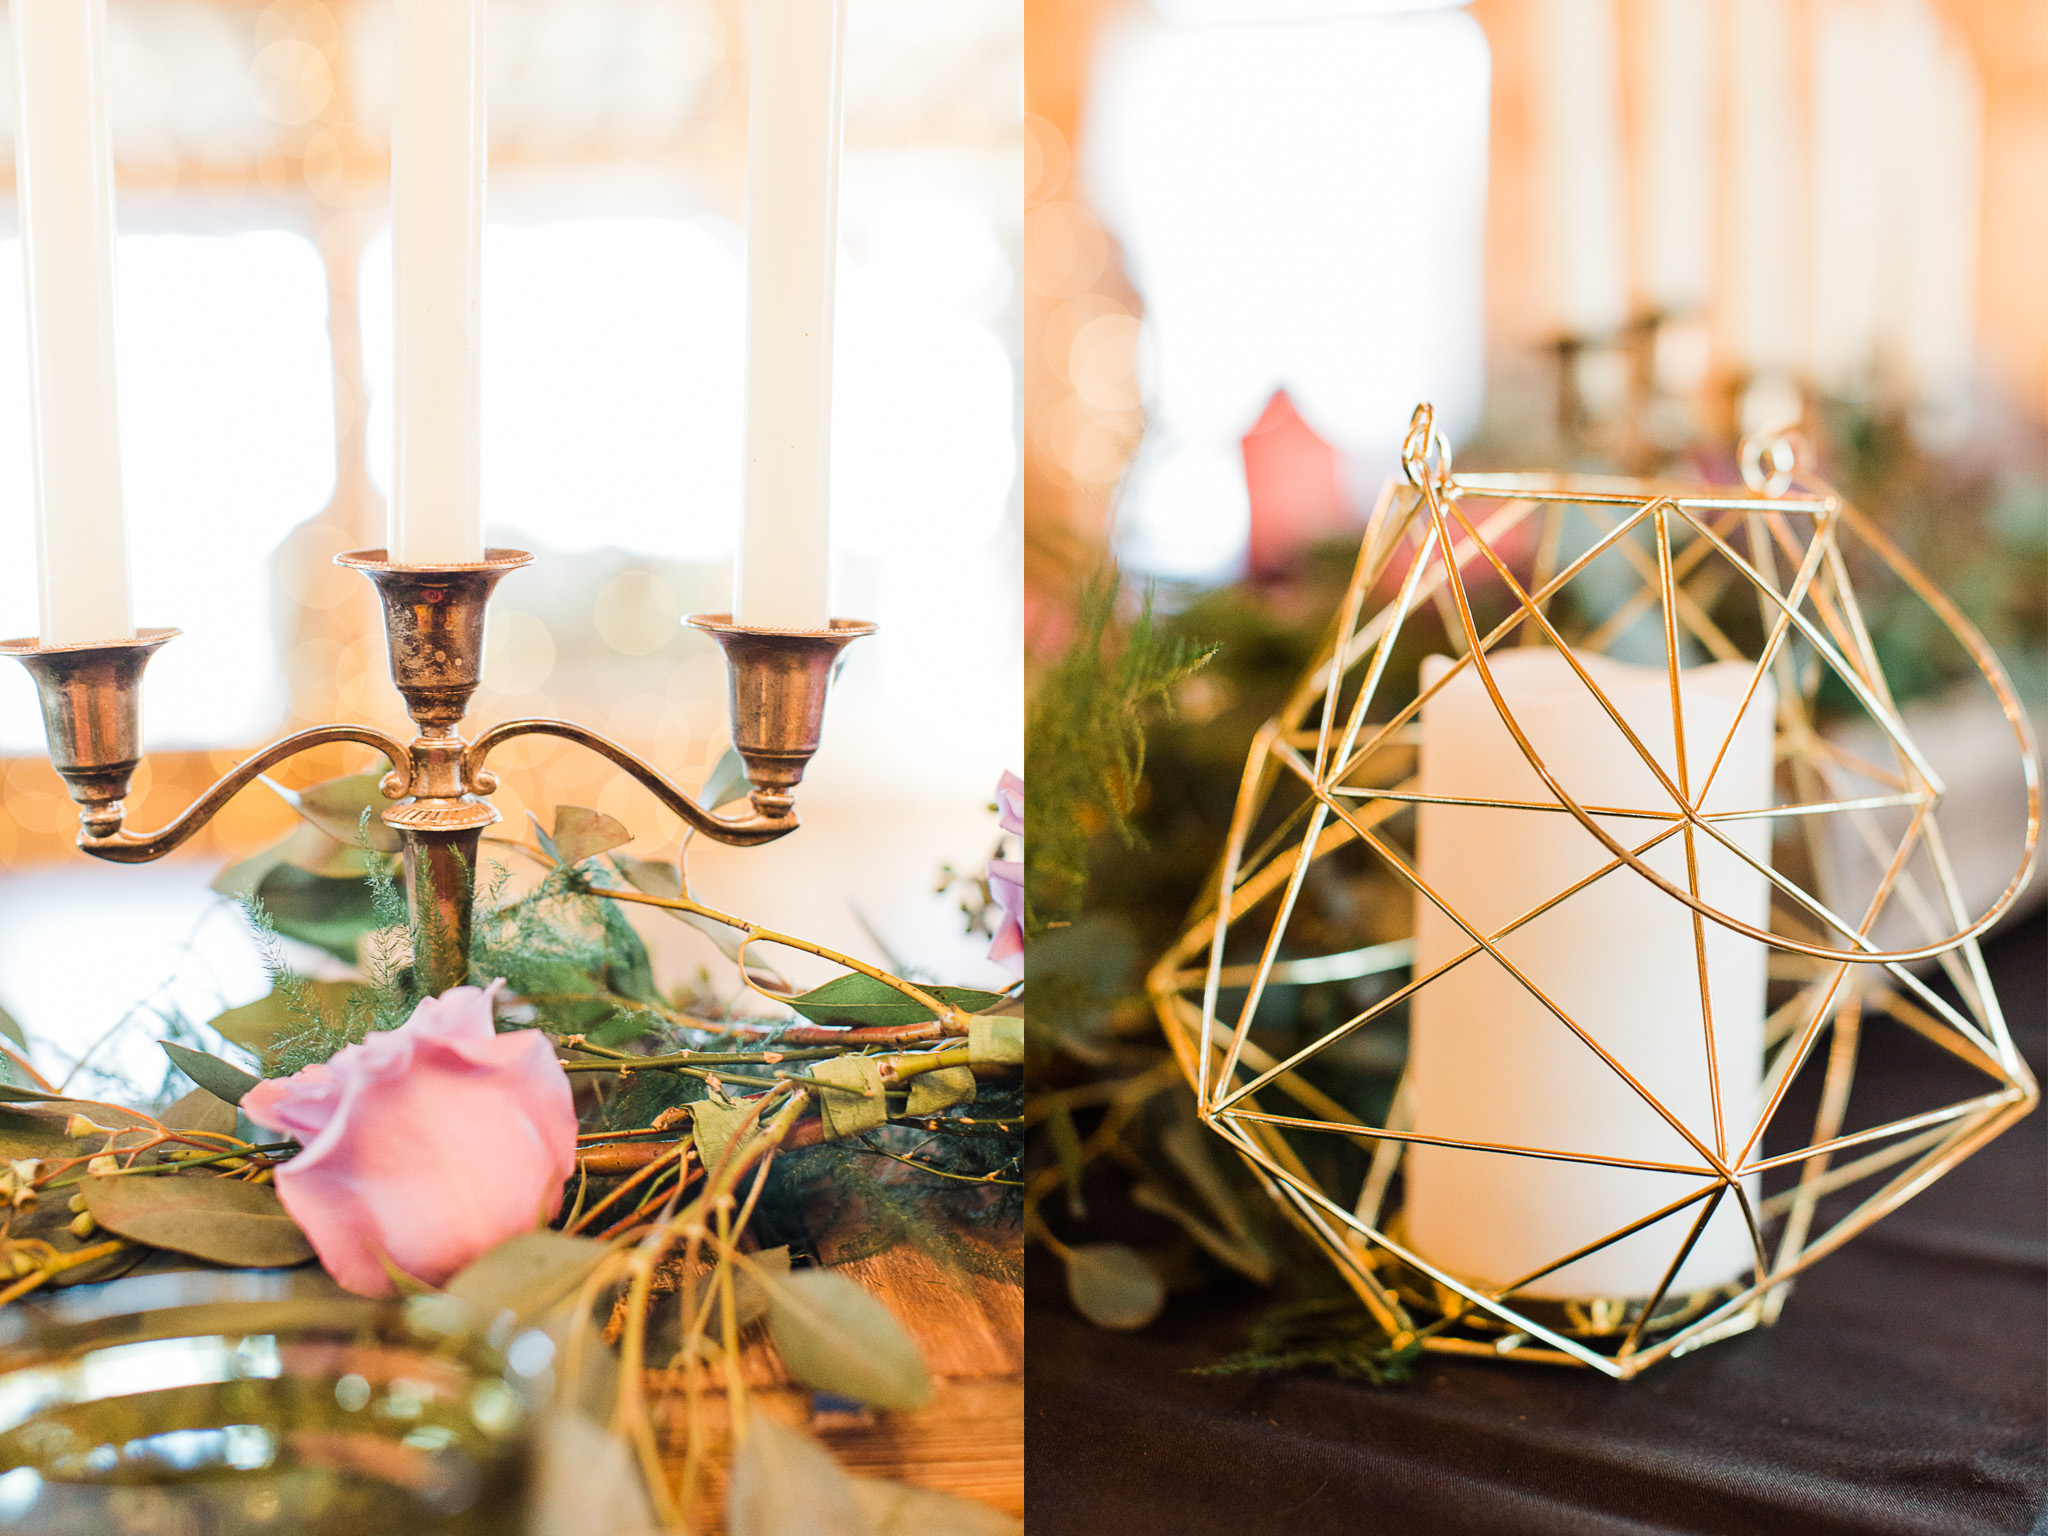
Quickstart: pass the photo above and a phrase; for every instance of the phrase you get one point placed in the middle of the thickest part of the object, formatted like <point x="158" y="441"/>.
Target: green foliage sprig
<point x="1085" y="743"/>
<point x="1328" y="1333"/>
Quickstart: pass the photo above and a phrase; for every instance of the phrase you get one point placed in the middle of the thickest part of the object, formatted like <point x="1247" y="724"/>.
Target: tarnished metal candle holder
<point x="434" y="627"/>
<point x="1503" y="561"/>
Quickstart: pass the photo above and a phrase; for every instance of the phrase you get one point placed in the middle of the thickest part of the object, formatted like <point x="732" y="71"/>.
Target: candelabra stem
<point x="440" y="891"/>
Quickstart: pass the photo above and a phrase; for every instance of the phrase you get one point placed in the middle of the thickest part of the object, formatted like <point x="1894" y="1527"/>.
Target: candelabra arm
<point x="741" y="832"/>
<point x="124" y="847"/>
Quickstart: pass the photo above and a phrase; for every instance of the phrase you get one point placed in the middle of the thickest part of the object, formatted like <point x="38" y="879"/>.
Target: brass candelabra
<point x="434" y="628"/>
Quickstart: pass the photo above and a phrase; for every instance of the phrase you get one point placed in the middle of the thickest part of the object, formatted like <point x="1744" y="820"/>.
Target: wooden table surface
<point x="969" y="1440"/>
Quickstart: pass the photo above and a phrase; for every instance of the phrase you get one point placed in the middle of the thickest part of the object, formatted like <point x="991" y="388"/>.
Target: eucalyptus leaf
<point x="201" y="1110"/>
<point x="312" y="850"/>
<point x="857" y="998"/>
<point x="405" y="1282"/>
<point x="240" y="880"/>
<point x="336" y="807"/>
<point x="843" y="1113"/>
<point x="528" y="1274"/>
<point x="222" y="1220"/>
<point x="786" y="1484"/>
<point x="47" y="1114"/>
<point x="940" y="1089"/>
<point x="712" y="1125"/>
<point x="1112" y="1286"/>
<point x="1240" y="1253"/>
<point x="726" y="783"/>
<point x="656" y="877"/>
<point x="586" y="1373"/>
<point x="49" y="1221"/>
<point x="898" y="1509"/>
<point x="583" y="1481"/>
<point x="305" y="847"/>
<point x="11" y="1069"/>
<point x="547" y="842"/>
<point x="1065" y="1137"/>
<point x="34" y="1136"/>
<point x="256" y="1025"/>
<point x="582" y="834"/>
<point x="21" y="1093"/>
<point x="332" y="914"/>
<point x="217" y="1077"/>
<point x="837" y="1337"/>
<point x="749" y="1296"/>
<point x="995" y="1042"/>
<point x="560" y="943"/>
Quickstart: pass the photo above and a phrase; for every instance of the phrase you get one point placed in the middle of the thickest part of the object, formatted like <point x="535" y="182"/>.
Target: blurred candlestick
<point x="1579" y="118"/>
<point x="781" y="577"/>
<point x="1767" y="223"/>
<point x="1674" y="184"/>
<point x="64" y="168"/>
<point x="437" y="233"/>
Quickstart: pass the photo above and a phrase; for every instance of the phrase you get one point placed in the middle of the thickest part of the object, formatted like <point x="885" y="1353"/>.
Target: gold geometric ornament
<point x="1610" y="775"/>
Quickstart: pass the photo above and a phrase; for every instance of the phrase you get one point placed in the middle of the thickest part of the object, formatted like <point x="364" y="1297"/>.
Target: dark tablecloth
<point x="1904" y="1390"/>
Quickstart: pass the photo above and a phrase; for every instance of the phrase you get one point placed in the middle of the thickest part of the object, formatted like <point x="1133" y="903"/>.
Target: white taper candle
<point x="1489" y="1062"/>
<point x="64" y="170"/>
<point x="438" y="153"/>
<point x="781" y="577"/>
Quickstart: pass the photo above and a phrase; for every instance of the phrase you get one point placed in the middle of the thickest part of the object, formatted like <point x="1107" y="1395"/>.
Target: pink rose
<point x="1006" y="884"/>
<point x="428" y="1143"/>
<point x="1006" y="880"/>
<point x="1010" y="804"/>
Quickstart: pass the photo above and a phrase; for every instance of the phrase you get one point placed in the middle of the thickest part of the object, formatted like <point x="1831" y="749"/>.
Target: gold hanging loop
<point x="1781" y="451"/>
<point x="1425" y="453"/>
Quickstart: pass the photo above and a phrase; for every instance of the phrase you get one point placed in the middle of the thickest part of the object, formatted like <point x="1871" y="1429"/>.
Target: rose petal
<point x="1007" y="947"/>
<point x="1010" y="804"/>
<point x="466" y="1012"/>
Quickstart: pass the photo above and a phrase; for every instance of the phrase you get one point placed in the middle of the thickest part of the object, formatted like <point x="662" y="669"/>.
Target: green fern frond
<point x="1085" y="743"/>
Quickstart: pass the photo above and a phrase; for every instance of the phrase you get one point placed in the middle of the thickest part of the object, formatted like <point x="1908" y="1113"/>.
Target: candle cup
<point x="779" y="680"/>
<point x="91" y="697"/>
<point x="434" y="627"/>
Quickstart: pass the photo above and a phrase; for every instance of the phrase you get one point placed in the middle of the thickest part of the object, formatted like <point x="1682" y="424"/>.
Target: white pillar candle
<point x="437" y="236"/>
<point x="781" y="576"/>
<point x="64" y="170"/>
<point x="1488" y="1062"/>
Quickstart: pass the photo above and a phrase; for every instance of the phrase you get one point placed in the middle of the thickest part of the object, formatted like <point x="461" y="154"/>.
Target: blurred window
<point x="1301" y="206"/>
<point x="612" y="352"/>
